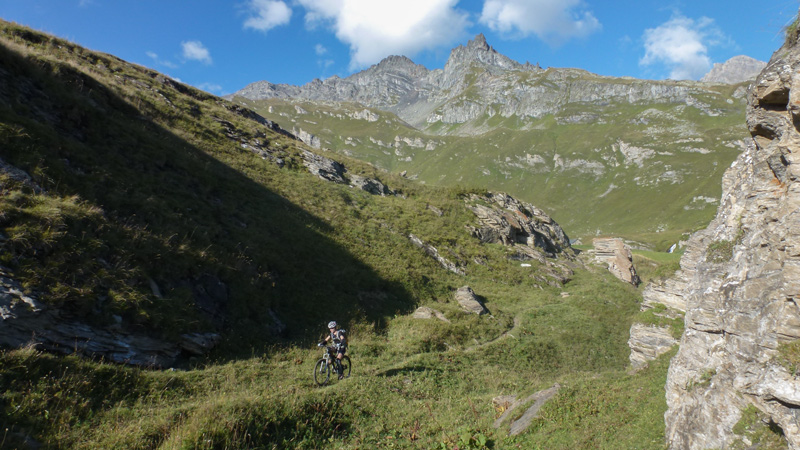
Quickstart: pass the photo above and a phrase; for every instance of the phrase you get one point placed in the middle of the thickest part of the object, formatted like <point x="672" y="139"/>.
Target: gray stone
<point x="25" y="321"/>
<point x="648" y="342"/>
<point x="467" y="299"/>
<point x="434" y="253"/>
<point x="199" y="343"/>
<point x="424" y="312"/>
<point x="370" y="185"/>
<point x="323" y="167"/>
<point x="617" y="256"/>
<point x="509" y="404"/>
<point x="19" y="175"/>
<point x="505" y="220"/>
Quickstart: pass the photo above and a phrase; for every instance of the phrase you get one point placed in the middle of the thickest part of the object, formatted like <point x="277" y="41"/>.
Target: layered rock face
<point x="506" y="220"/>
<point x="476" y="81"/>
<point x="617" y="255"/>
<point x="741" y="282"/>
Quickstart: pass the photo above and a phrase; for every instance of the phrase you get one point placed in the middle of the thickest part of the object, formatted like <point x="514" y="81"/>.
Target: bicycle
<point x="328" y="363"/>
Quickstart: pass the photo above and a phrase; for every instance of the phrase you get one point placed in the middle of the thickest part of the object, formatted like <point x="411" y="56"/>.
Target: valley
<point x="169" y="258"/>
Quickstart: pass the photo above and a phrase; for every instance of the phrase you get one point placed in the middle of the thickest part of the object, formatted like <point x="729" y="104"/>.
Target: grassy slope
<point x="624" y="200"/>
<point x="143" y="184"/>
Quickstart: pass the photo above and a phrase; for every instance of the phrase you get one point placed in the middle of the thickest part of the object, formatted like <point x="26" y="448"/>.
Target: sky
<point x="221" y="46"/>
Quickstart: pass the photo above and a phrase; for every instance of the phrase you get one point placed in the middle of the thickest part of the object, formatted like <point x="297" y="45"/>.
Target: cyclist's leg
<point x="339" y="368"/>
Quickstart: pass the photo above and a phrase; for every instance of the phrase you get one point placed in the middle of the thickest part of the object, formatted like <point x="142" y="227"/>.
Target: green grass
<point x="623" y="200"/>
<point x="408" y="389"/>
<point x="759" y="430"/>
<point x="143" y="184"/>
<point x="654" y="266"/>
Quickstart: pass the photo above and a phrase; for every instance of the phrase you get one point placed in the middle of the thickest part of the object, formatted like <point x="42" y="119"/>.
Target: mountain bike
<point x="328" y="363"/>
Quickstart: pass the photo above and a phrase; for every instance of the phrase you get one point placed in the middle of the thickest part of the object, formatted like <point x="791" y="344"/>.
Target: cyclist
<point x="339" y="339"/>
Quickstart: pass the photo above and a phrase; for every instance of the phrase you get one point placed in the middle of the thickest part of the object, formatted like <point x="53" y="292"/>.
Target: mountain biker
<point x="339" y="339"/>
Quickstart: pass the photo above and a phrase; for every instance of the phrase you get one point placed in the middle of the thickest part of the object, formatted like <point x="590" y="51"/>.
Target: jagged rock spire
<point x="479" y="43"/>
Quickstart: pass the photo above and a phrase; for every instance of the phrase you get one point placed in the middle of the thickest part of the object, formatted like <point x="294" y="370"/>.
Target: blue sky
<point x="221" y="46"/>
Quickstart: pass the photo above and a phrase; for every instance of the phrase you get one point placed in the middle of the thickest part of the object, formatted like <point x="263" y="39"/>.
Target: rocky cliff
<point x="740" y="285"/>
<point x="476" y="81"/>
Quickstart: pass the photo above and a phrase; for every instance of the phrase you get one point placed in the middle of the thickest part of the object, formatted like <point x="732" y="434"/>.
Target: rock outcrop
<point x="617" y="256"/>
<point x="26" y="321"/>
<point x="735" y="70"/>
<point x="431" y="251"/>
<point x="648" y="342"/>
<point x="742" y="282"/>
<point x="509" y="404"/>
<point x="467" y="299"/>
<point x="425" y="312"/>
<point x="506" y="220"/>
<point x="330" y="170"/>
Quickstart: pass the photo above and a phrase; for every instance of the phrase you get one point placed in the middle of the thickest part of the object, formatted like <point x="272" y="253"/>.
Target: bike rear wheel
<point x="322" y="372"/>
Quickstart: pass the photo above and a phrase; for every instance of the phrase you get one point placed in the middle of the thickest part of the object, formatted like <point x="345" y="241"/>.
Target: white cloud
<point x="157" y="60"/>
<point x="553" y="21"/>
<point x="196" y="51"/>
<point x="210" y="87"/>
<point x="268" y="14"/>
<point x="375" y="29"/>
<point x="320" y="49"/>
<point x="681" y="44"/>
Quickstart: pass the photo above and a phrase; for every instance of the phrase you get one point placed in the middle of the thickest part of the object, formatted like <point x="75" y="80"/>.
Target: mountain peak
<point x="479" y="43"/>
<point x="735" y="70"/>
<point x="478" y="50"/>
<point x="396" y="64"/>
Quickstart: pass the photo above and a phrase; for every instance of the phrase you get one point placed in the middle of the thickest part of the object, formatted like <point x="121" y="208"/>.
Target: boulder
<point x="505" y="220"/>
<point x="370" y="185"/>
<point x="467" y="299"/>
<point x="323" y="167"/>
<point x="424" y="312"/>
<point x="617" y="255"/>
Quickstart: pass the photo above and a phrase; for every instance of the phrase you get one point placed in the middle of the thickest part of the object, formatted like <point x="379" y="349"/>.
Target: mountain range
<point x="603" y="155"/>
<point x="168" y="259"/>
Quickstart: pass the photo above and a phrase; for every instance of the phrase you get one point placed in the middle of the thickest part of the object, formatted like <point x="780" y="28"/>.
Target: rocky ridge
<point x="739" y="284"/>
<point x="476" y="82"/>
<point x="735" y="70"/>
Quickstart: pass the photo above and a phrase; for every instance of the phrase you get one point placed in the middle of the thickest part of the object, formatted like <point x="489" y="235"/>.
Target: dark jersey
<point x="339" y="339"/>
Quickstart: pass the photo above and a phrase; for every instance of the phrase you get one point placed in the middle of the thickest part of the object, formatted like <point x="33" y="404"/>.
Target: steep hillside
<point x="603" y="155"/>
<point x="145" y="222"/>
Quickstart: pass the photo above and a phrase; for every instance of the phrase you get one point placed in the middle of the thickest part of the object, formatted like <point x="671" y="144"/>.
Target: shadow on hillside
<point x="224" y="251"/>
<point x="407" y="370"/>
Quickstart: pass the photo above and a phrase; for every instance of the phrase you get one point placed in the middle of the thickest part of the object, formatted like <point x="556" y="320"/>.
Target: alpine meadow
<point x="515" y="253"/>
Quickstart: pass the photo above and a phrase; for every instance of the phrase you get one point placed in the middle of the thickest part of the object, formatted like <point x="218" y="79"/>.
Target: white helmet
<point x="332" y="324"/>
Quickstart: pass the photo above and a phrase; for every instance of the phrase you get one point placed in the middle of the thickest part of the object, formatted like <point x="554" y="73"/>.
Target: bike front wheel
<point x="322" y="372"/>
